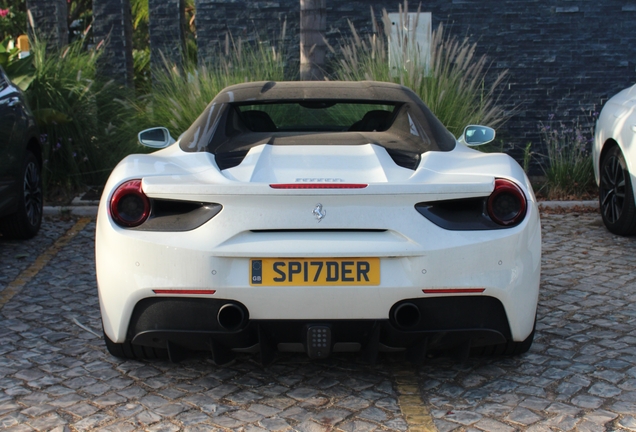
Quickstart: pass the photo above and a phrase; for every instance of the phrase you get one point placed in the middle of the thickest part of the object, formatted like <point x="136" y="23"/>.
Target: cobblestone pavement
<point x="18" y="255"/>
<point x="580" y="374"/>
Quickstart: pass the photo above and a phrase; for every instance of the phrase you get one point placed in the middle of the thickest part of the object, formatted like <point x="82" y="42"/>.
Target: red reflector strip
<point x="318" y="186"/>
<point x="185" y="292"/>
<point x="454" y="291"/>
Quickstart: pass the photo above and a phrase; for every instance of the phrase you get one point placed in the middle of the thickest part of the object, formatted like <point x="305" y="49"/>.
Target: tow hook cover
<point x="318" y="341"/>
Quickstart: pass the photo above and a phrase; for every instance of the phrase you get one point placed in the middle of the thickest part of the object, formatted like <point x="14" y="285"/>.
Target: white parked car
<point x="614" y="162"/>
<point x="317" y="217"/>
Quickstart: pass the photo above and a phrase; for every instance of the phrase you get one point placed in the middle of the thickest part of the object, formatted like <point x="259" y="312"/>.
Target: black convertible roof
<point x="298" y="90"/>
<point x="409" y="127"/>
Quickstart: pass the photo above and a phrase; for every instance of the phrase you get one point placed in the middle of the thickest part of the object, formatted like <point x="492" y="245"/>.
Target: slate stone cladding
<point x="247" y="20"/>
<point x="167" y="20"/>
<point x="211" y="25"/>
<point x="113" y="24"/>
<point x="49" y="18"/>
<point x="563" y="57"/>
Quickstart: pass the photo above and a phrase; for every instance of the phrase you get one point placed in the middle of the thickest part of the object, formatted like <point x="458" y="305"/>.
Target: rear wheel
<point x="127" y="350"/>
<point x="26" y="222"/>
<point x="616" y="196"/>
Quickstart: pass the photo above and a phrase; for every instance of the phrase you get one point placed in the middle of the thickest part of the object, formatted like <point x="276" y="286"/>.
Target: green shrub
<point x="568" y="165"/>
<point x="453" y="87"/>
<point x="179" y="95"/>
<point x="141" y="71"/>
<point x="88" y="125"/>
<point x="81" y="120"/>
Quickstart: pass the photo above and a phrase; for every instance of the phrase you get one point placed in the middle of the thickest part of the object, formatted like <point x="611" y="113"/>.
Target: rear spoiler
<point x="435" y="185"/>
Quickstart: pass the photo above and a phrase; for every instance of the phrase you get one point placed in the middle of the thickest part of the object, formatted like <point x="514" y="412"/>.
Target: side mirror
<point x="158" y="137"/>
<point x="475" y="135"/>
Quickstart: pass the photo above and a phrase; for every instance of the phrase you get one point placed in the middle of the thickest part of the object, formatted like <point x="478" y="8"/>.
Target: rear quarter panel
<point x="617" y="123"/>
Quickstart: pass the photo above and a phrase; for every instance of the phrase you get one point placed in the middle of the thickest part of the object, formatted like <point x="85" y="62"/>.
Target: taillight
<point x="129" y="206"/>
<point x="507" y="203"/>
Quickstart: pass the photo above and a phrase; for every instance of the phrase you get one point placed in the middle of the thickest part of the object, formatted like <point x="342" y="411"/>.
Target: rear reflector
<point x="318" y="186"/>
<point x="454" y="291"/>
<point x="184" y="292"/>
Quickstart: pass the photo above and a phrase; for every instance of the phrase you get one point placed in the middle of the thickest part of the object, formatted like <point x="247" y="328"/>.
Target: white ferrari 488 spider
<point x="317" y="217"/>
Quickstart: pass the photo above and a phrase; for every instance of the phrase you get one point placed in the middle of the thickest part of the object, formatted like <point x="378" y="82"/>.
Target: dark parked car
<point x="20" y="165"/>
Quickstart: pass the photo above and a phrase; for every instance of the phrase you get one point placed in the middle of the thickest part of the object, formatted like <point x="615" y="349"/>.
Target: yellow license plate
<point x="314" y="271"/>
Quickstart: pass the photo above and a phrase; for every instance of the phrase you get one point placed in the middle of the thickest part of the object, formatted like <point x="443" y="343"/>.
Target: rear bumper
<point x="439" y="323"/>
<point x="415" y="255"/>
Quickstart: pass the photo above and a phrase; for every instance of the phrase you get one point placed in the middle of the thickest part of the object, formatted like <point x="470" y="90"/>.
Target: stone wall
<point x="50" y="21"/>
<point x="167" y="21"/>
<point x="113" y="26"/>
<point x="563" y="57"/>
<point x="247" y="20"/>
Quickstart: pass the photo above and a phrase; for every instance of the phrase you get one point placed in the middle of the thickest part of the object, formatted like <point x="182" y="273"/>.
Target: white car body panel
<point x="617" y="123"/>
<point x="415" y="253"/>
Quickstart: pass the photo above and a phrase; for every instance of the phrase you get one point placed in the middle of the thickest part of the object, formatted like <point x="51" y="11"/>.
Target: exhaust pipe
<point x="231" y="317"/>
<point x="406" y="315"/>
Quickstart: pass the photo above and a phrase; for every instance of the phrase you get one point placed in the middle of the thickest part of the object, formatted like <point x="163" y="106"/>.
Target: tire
<point x="127" y="350"/>
<point x="25" y="223"/>
<point x="616" y="196"/>
<point x="510" y="348"/>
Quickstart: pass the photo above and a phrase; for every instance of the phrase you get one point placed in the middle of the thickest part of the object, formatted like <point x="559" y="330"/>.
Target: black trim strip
<point x="176" y="216"/>
<point x="467" y="214"/>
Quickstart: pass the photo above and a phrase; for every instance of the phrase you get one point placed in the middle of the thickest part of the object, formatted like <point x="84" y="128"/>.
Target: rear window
<point x="317" y="116"/>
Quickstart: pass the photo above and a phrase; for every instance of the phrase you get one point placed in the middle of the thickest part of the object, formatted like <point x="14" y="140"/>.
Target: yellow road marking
<point x="30" y="272"/>
<point x="417" y="416"/>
